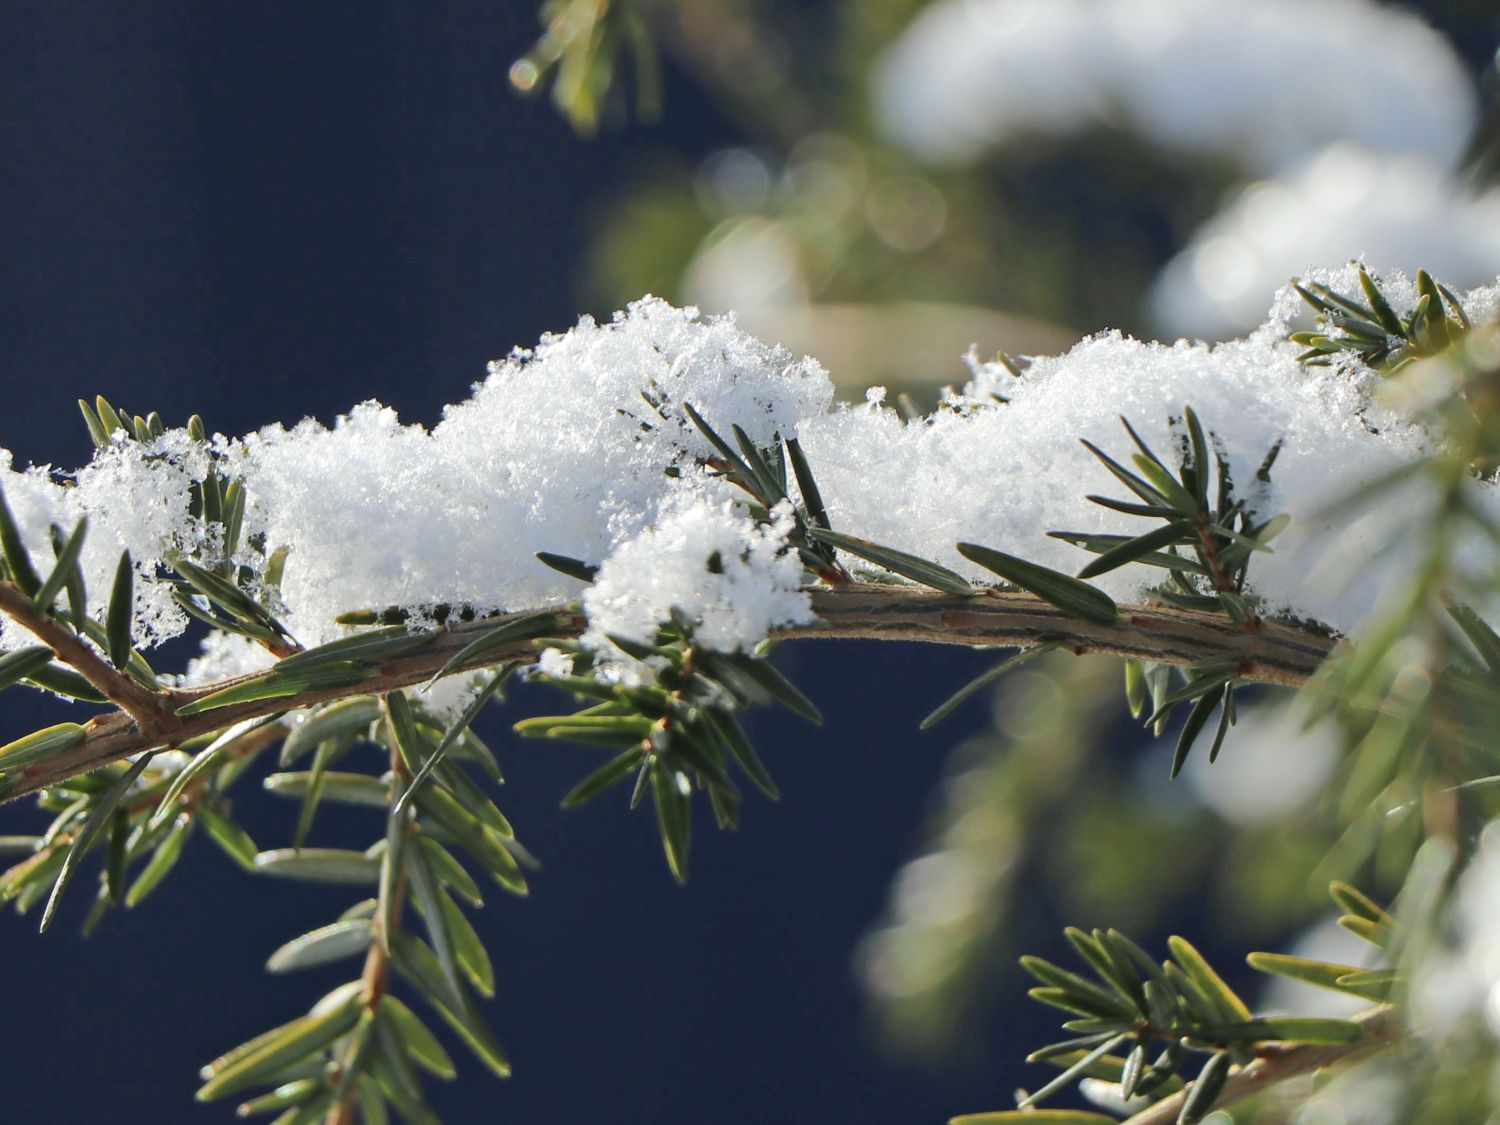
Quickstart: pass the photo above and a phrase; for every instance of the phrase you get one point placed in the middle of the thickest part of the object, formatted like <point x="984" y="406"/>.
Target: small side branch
<point x="1275" y="655"/>
<point x="148" y="709"/>
<point x="1278" y="1063"/>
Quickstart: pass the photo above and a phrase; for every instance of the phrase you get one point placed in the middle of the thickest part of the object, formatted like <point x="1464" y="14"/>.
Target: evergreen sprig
<point x="361" y="1047"/>
<point x="675" y="736"/>
<point x="1208" y="535"/>
<point x="582" y="55"/>
<point x="1367" y="327"/>
<point x="1143" y="1025"/>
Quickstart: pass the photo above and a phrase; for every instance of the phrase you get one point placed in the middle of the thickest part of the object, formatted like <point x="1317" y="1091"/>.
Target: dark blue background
<point x="259" y="211"/>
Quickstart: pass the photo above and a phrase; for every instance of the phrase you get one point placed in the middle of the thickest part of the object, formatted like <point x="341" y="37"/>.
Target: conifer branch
<point x="1279" y="1062"/>
<point x="1275" y="655"/>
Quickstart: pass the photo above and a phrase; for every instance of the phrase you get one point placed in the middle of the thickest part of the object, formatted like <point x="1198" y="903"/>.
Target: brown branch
<point x="1275" y="655"/>
<point x="1278" y="1062"/>
<point x="114" y="736"/>
<point x="146" y="707"/>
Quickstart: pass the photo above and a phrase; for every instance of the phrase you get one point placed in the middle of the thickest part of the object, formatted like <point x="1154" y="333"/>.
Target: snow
<point x="732" y="579"/>
<point x="1003" y="476"/>
<point x="558" y="451"/>
<point x="1274" y="765"/>
<point x="135" y="498"/>
<point x="1265" y="83"/>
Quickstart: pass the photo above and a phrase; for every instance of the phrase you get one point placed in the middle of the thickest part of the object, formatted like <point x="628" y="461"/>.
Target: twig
<point x="1278" y="1062"/>
<point x="146" y="707"/>
<point x="1275" y="655"/>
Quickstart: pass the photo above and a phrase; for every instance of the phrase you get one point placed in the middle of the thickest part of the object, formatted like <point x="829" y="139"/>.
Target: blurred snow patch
<point x="1265" y="82"/>
<point x="1270" y="765"/>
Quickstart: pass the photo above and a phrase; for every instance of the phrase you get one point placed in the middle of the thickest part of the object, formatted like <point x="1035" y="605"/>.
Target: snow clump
<point x="733" y="580"/>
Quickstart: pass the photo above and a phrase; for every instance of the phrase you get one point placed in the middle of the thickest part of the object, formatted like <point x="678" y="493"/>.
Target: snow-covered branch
<point x="635" y="509"/>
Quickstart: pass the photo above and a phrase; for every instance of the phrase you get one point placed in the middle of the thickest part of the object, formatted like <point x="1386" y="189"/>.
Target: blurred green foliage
<point x="1067" y="230"/>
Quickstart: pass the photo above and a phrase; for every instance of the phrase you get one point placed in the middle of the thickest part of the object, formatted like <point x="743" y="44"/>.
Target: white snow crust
<point x="557" y="450"/>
